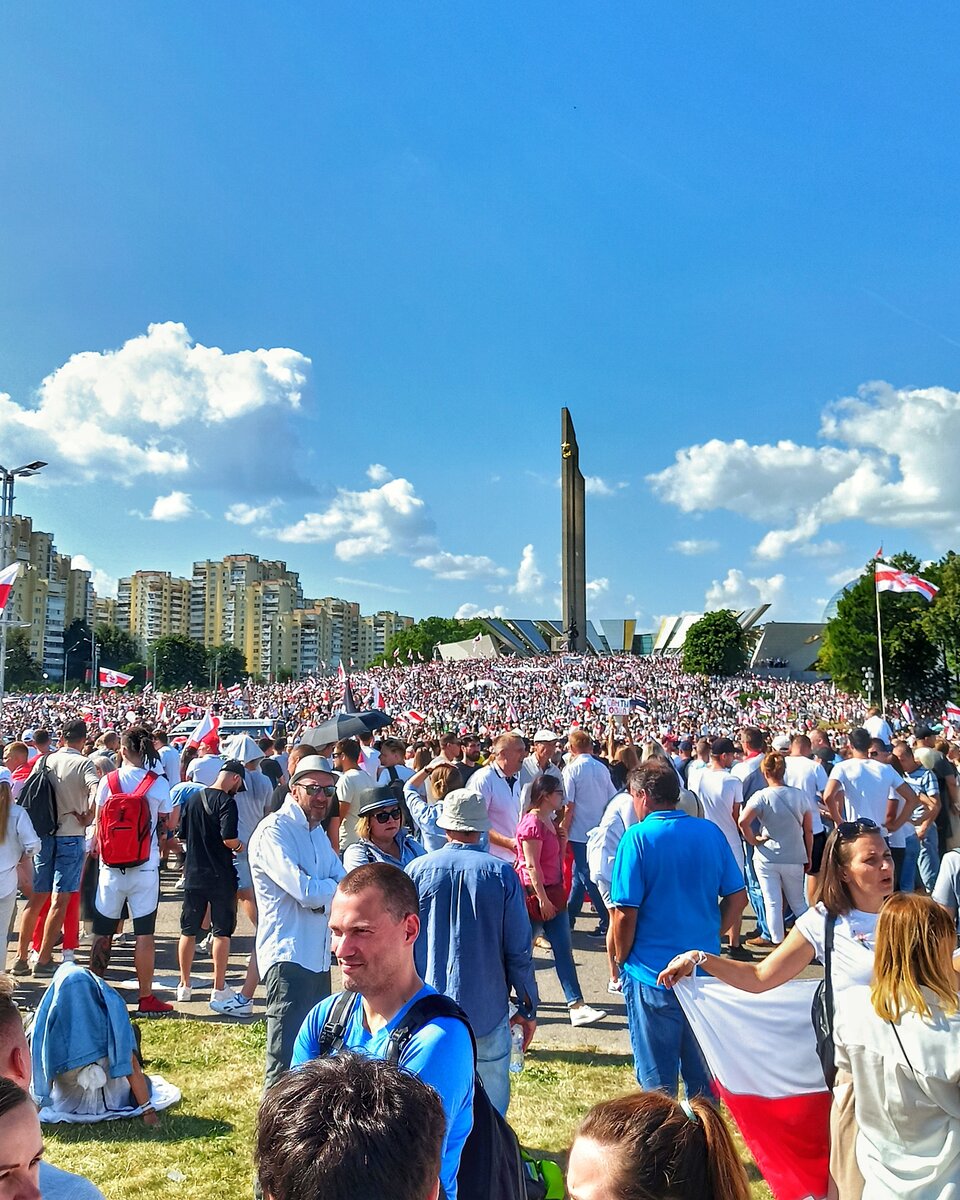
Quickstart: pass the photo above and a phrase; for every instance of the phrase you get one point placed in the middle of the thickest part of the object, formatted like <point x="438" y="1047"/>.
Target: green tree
<point x="715" y="645"/>
<point x="180" y="660"/>
<point x="76" y="648"/>
<point x="115" y="646"/>
<point x="22" y="667"/>
<point x="226" y="663"/>
<point x="912" y="662"/>
<point x="422" y="637"/>
<point x="941" y="621"/>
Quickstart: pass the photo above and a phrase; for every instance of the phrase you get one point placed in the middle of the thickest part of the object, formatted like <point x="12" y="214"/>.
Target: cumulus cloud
<point x="175" y="507"/>
<point x="737" y="592"/>
<point x="593" y="485"/>
<point x="530" y="579"/>
<point x="445" y="565"/>
<point x="390" y="519"/>
<point x="466" y="611"/>
<point x="250" y="514"/>
<point x="597" y="587"/>
<point x="691" y="546"/>
<point x="378" y="473"/>
<point x="139" y="411"/>
<point x="104" y="584"/>
<point x="891" y="464"/>
<point x="367" y="583"/>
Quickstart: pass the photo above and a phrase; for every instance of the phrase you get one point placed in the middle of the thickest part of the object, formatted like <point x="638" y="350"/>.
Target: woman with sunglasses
<point x="899" y="1039"/>
<point x="855" y="879"/>
<point x="381" y="833"/>
<point x="540" y="850"/>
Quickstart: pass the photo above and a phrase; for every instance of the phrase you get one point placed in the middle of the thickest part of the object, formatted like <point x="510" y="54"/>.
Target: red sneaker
<point x="150" y="1006"/>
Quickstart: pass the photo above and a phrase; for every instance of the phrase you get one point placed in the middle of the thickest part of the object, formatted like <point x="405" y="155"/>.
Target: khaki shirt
<point x="75" y="781"/>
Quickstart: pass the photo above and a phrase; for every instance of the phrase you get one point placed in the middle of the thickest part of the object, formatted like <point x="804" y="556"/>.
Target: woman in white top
<point x="855" y="880"/>
<point x="18" y="839"/>
<point x="784" y="845"/>
<point x="899" y="1038"/>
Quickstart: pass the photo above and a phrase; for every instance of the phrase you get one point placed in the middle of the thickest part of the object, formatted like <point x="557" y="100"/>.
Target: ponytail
<point x="138" y="741"/>
<point x="728" y="1179"/>
<point x="6" y="800"/>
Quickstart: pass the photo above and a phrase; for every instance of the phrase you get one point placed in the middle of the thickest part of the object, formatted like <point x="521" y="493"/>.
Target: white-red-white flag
<point x="889" y="579"/>
<point x="8" y="577"/>
<point x="109" y="678"/>
<point x="341" y="671"/>
<point x="207" y="725"/>
<point x="951" y="714"/>
<point x="376" y="698"/>
<point x="906" y="711"/>
<point x="162" y="715"/>
<point x="413" y="715"/>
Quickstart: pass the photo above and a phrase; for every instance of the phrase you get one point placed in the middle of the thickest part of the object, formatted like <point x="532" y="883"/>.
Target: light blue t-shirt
<point x="673" y="869"/>
<point x="440" y="1054"/>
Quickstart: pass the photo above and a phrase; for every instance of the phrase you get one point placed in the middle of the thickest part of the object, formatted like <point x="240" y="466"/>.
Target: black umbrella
<point x="345" y="725"/>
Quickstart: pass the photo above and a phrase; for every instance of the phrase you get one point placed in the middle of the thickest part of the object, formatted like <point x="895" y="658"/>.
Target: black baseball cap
<point x="236" y="767"/>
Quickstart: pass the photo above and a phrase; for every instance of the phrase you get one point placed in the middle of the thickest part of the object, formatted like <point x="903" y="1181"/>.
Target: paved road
<point x="554" y="1028"/>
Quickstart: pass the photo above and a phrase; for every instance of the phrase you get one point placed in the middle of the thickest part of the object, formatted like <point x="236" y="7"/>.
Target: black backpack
<point x="38" y="801"/>
<point x="821" y="1011"/>
<point x="491" y="1167"/>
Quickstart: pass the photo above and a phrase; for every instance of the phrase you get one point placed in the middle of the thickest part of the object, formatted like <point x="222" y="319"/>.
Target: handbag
<point x="556" y="894"/>
<point x="821" y="1011"/>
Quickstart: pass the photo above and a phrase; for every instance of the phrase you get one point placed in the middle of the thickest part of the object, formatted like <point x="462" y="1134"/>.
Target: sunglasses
<point x="849" y="830"/>
<point x="387" y="814"/>
<point x="314" y="789"/>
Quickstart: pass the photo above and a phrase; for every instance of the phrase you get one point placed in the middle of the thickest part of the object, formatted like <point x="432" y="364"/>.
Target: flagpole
<point x="883" y="690"/>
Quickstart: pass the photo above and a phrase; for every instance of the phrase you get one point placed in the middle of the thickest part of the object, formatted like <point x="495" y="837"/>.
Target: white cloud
<point x="445" y="565"/>
<point x="691" y="546"/>
<point x="597" y="587"/>
<point x="891" y="464"/>
<point x="116" y="414"/>
<point x="250" y="514"/>
<point x="530" y="579"/>
<point x="593" y="485"/>
<point x="841" y="578"/>
<point x="391" y="519"/>
<point x="378" y="473"/>
<point x="104" y="584"/>
<point x="175" y="507"/>
<point x="367" y="583"/>
<point x="466" y="611"/>
<point x="737" y="592"/>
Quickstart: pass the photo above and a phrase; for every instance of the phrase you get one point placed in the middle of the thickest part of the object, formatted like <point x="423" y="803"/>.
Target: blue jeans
<point x="583" y="883"/>
<point x="755" y="894"/>
<point x="58" y="865"/>
<point x="557" y="933"/>
<point x="493" y="1065"/>
<point x="662" y="1041"/>
<point x="923" y="856"/>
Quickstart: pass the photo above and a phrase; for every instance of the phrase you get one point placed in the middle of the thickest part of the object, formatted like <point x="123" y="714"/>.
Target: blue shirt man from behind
<point x="374" y="924"/>
<point x="675" y="884"/>
<point x="475" y="940"/>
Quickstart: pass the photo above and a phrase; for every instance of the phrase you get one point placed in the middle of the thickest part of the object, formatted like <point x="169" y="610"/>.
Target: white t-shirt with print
<point x="854" y="941"/>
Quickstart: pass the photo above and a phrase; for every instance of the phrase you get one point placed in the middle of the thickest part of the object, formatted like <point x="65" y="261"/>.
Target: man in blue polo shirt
<point x="374" y="923"/>
<point x="674" y="879"/>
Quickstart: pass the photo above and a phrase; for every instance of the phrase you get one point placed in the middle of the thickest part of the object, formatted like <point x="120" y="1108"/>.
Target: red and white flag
<point x="762" y="1054"/>
<point x="208" y="724"/>
<point x="235" y="691"/>
<point x="889" y="579"/>
<point x="906" y="711"/>
<point x="376" y="698"/>
<point x="951" y="714"/>
<point x="110" y="678"/>
<point x="413" y="715"/>
<point x="512" y="715"/>
<point x="162" y="715"/>
<point x="341" y="671"/>
<point x="8" y="577"/>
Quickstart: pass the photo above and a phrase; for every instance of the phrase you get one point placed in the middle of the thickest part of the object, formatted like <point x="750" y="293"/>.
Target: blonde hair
<point x="445" y="778"/>
<point x="916" y="938"/>
<point x="774" y="766"/>
<point x="580" y="740"/>
<point x="6" y="801"/>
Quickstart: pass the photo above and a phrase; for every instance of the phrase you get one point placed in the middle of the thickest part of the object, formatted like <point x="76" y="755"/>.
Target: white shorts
<point x="139" y="886"/>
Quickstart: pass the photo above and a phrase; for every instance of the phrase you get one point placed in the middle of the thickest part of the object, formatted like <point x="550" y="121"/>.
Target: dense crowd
<point x="429" y="858"/>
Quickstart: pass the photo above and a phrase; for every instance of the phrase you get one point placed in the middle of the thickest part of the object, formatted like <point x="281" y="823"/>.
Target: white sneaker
<point x="585" y="1015"/>
<point x="184" y="994"/>
<point x="205" y="944"/>
<point x="180" y="884"/>
<point x="615" y="987"/>
<point x="32" y="957"/>
<point x="232" y="1006"/>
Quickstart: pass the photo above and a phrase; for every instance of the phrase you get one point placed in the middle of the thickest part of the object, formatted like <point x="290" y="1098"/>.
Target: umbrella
<point x="345" y="725"/>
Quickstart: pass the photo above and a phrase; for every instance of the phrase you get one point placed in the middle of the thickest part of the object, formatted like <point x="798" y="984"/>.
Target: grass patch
<point x="208" y="1137"/>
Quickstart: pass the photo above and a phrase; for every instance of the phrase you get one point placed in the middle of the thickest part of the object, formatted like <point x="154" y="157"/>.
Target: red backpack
<point x="124" y="824"/>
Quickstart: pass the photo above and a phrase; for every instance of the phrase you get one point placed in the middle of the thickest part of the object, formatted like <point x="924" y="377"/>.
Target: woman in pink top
<point x="540" y="851"/>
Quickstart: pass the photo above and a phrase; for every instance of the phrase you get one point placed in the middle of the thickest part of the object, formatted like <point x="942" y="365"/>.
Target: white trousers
<point x="776" y="881"/>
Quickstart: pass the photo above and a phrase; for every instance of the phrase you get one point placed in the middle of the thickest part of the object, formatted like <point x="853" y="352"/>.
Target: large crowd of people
<point x="428" y="859"/>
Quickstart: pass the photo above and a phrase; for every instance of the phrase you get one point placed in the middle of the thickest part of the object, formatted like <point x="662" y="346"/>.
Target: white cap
<point x="544" y="735"/>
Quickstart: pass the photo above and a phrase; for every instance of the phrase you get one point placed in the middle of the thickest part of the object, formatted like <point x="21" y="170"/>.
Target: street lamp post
<point x="6" y="552"/>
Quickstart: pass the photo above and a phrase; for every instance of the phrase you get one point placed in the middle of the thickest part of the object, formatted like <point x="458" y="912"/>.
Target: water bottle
<point x="516" y="1049"/>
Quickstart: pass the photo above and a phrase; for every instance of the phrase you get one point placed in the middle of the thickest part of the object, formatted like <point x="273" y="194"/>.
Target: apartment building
<point x="153" y="604"/>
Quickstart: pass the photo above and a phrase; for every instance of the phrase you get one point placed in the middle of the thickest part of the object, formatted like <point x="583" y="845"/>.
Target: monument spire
<point x="573" y="537"/>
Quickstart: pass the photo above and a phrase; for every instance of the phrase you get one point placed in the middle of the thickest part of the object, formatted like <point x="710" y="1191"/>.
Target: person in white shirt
<point x="208" y="764"/>
<point x="589" y="789"/>
<point x="169" y="757"/>
<point x="540" y="759"/>
<point x="352" y="781"/>
<point x="369" y="755"/>
<point x="295" y="874"/>
<point x="867" y="788"/>
<point x="499" y="785"/>
<point x="721" y="795"/>
<point x="807" y="773"/>
<point x="877" y="725"/>
<point x="18" y="842"/>
<point x="899" y="1038"/>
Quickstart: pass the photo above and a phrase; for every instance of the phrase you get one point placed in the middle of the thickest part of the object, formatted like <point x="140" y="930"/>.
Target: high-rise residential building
<point x="105" y="610"/>
<point x="153" y="604"/>
<point x="47" y="595"/>
<point x="375" y="631"/>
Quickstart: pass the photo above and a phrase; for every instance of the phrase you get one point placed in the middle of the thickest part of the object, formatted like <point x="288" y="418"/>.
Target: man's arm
<point x="731" y="908"/>
<point x="517" y="947"/>
<point x="831" y="799"/>
<point x="310" y="891"/>
<point x="898" y="816"/>
<point x="623" y="922"/>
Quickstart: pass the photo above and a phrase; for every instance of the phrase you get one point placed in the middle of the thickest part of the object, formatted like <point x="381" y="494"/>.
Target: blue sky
<point x="333" y="270"/>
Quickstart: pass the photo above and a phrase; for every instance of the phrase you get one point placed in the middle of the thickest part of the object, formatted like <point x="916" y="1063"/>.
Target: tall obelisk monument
<point x="574" y="537"/>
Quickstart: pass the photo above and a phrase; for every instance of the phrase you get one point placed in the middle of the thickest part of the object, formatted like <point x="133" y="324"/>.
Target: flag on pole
<point x="110" y="678"/>
<point x="207" y="725"/>
<point x="512" y="715"/>
<point x="478" y="639"/>
<point x="413" y="715"/>
<point x="8" y="577"/>
<point x="879" y="553"/>
<point x="951" y="714"/>
<point x="396" y="652"/>
<point x="341" y="671"/>
<point x="889" y="579"/>
<point x="348" y="705"/>
<point x="162" y="715"/>
<point x="376" y="699"/>
<point x="775" y="1093"/>
<point x="906" y="711"/>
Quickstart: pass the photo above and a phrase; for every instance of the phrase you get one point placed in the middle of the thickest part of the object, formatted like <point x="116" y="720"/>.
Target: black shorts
<point x="223" y="912"/>
<point x="108" y="926"/>
<point x="816" y="853"/>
